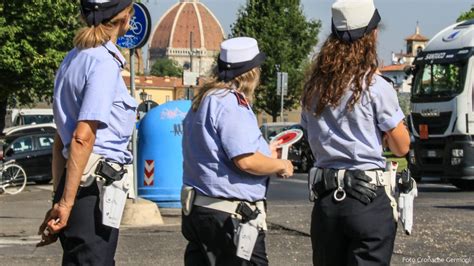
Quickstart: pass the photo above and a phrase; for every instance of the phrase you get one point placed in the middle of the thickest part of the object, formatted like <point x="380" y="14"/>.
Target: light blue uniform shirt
<point x="89" y="86"/>
<point x="342" y="139"/>
<point x="218" y="131"/>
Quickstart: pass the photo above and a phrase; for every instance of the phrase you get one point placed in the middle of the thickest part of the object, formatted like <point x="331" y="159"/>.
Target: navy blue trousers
<point x="85" y="240"/>
<point x="352" y="233"/>
<point x="211" y="239"/>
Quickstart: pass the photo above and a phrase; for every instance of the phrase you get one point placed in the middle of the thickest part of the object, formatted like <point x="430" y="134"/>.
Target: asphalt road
<point x="442" y="234"/>
<point x="443" y="231"/>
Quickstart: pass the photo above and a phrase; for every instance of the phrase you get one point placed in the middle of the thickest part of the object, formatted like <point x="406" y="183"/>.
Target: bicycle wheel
<point x="14" y="177"/>
<point x="137" y="28"/>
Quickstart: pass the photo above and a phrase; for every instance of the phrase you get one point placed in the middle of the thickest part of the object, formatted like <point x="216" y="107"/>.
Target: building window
<point x="409" y="48"/>
<point x="419" y="49"/>
<point x="167" y="98"/>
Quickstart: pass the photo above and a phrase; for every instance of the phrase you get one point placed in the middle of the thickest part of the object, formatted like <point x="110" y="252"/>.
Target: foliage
<point x="402" y="162"/>
<point x="166" y="67"/>
<point x="287" y="38"/>
<point x="34" y="38"/>
<point x="466" y="15"/>
<point x="404" y="100"/>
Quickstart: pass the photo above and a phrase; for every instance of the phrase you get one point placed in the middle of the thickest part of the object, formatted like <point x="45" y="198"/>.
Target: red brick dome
<point x="174" y="27"/>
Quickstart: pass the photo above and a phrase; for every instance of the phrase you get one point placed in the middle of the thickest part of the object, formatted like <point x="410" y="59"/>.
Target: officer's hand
<point x="46" y="236"/>
<point x="357" y="184"/>
<point x="58" y="217"/>
<point x="288" y="170"/>
<point x="276" y="152"/>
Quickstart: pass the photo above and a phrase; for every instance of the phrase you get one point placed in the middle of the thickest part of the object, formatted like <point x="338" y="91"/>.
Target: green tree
<point x="287" y="37"/>
<point x="34" y="38"/>
<point x="466" y="15"/>
<point x="404" y="100"/>
<point x="166" y="67"/>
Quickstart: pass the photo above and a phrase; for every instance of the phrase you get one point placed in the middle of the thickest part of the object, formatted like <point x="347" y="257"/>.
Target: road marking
<point x="431" y="185"/>
<point x="28" y="240"/>
<point x="45" y="187"/>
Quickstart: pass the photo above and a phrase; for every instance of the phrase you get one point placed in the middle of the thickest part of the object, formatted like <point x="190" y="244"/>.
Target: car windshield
<point x="439" y="80"/>
<point x="18" y="145"/>
<point x="37" y="119"/>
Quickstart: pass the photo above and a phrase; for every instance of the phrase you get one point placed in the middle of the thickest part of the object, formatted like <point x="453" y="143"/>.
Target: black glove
<point x="357" y="184"/>
<point x="406" y="183"/>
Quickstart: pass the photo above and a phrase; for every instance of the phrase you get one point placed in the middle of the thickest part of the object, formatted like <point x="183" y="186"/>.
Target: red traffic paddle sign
<point x="288" y="137"/>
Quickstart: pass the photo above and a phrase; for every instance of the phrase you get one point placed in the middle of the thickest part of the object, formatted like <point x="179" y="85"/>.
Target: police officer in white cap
<point x="349" y="112"/>
<point x="95" y="117"/>
<point x="227" y="164"/>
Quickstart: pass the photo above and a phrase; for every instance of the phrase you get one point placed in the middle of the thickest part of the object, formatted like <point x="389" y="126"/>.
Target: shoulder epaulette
<point x="389" y="80"/>
<point x="241" y="100"/>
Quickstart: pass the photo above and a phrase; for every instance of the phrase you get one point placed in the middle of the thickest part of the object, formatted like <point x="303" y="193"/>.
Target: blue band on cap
<point x="229" y="71"/>
<point x="98" y="11"/>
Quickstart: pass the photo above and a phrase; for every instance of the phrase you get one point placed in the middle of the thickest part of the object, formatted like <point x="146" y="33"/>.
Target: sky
<point x="399" y="17"/>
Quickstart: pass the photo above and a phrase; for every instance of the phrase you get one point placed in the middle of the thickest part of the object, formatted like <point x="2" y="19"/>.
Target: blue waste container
<point x="160" y="159"/>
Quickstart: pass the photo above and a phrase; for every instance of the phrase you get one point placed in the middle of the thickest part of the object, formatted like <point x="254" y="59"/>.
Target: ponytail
<point x="88" y="37"/>
<point x="93" y="36"/>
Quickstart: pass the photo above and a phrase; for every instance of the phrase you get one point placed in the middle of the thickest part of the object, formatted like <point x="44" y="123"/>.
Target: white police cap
<point x="237" y="56"/>
<point x="352" y="19"/>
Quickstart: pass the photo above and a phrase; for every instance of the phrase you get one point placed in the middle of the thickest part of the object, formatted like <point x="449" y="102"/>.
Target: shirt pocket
<point x="125" y="108"/>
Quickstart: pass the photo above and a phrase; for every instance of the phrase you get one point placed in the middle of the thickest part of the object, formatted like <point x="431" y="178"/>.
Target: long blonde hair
<point x="245" y="83"/>
<point x="93" y="36"/>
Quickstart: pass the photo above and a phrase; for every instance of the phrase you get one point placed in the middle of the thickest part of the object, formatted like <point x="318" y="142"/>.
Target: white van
<point x="19" y="117"/>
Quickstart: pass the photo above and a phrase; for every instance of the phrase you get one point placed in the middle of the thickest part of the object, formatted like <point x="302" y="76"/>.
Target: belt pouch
<point x="325" y="180"/>
<point x="314" y="177"/>
<point x="246" y="237"/>
<point x="112" y="201"/>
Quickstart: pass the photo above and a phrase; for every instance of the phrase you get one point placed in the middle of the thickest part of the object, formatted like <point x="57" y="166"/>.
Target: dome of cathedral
<point x="174" y="29"/>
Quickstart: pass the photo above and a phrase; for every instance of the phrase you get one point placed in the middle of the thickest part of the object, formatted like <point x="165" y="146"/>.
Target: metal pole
<point x="134" y="134"/>
<point x="191" y="53"/>
<point x="281" y="103"/>
<point x="191" y="50"/>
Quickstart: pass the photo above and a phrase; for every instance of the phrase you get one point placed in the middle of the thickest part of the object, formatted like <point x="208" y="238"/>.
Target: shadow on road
<point x="457" y="207"/>
<point x="438" y="189"/>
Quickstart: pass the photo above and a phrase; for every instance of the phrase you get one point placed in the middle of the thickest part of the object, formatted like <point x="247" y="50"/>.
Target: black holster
<point x="327" y="183"/>
<point x="109" y="173"/>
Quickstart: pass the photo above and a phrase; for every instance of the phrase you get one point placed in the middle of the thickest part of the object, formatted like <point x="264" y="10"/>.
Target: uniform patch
<point x="241" y="99"/>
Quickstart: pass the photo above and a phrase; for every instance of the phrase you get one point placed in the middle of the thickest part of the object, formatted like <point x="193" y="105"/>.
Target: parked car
<point x="270" y="130"/>
<point x="33" y="152"/>
<point x="299" y="153"/>
<point x="27" y="129"/>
